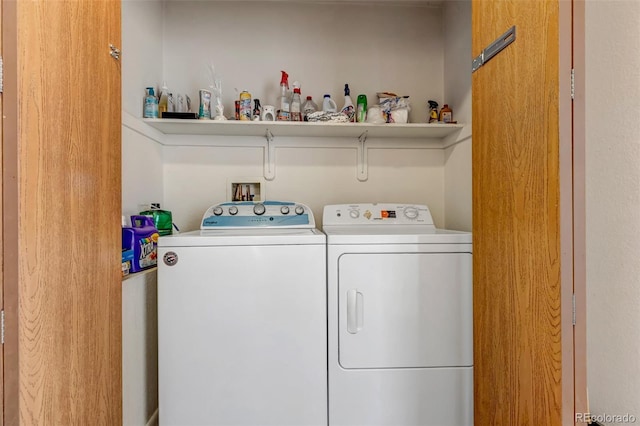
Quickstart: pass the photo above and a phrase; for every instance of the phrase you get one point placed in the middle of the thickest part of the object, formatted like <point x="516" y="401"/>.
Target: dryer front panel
<point x="405" y="310"/>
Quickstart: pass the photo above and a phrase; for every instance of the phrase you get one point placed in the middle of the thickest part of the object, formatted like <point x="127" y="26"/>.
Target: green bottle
<point x="361" y="109"/>
<point x="161" y="218"/>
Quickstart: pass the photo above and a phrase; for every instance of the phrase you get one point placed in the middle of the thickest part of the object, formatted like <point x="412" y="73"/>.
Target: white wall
<point x="457" y="91"/>
<point x="139" y="349"/>
<point x="141" y="183"/>
<point x="613" y="205"/>
<point x="141" y="51"/>
<point x="141" y="67"/>
<point x="196" y="178"/>
<point x="373" y="47"/>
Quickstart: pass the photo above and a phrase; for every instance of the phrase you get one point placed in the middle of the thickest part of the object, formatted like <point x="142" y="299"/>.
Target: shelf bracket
<point x="363" y="168"/>
<point x="269" y="157"/>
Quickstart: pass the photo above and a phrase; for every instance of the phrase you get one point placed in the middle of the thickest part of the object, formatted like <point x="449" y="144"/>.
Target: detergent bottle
<point x="142" y="236"/>
<point x="328" y="105"/>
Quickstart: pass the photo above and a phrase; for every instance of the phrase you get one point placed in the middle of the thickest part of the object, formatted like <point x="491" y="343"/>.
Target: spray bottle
<point x="348" y="108"/>
<point x="283" y="100"/>
<point x="296" y="103"/>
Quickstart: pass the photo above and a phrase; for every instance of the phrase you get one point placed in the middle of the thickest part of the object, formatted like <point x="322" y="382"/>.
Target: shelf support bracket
<point x="269" y="157"/>
<point x="363" y="160"/>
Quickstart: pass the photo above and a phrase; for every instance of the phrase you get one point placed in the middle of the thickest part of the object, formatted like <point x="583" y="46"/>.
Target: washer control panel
<point x="255" y="214"/>
<point x="376" y="214"/>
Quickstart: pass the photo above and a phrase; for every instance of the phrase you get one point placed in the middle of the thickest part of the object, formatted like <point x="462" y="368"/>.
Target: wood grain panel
<point x="1" y="255"/>
<point x="68" y="164"/>
<point x="517" y="322"/>
<point x="10" y="214"/>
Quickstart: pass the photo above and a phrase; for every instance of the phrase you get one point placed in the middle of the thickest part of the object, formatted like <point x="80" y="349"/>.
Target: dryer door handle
<point x="355" y="311"/>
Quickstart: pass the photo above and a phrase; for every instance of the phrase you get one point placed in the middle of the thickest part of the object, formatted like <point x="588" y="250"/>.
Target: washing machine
<point x="242" y="319"/>
<point x="400" y="330"/>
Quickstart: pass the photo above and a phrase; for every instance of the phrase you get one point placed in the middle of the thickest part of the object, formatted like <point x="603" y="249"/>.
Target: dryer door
<point x="405" y="310"/>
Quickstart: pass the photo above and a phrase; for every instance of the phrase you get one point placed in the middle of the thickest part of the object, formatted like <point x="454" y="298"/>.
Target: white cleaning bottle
<point x="348" y="109"/>
<point x="328" y="105"/>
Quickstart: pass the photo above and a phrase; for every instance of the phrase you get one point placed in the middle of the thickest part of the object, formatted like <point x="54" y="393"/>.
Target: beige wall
<point x="613" y="205"/>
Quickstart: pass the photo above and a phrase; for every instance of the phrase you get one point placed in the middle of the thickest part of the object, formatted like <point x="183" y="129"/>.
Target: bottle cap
<point x="327" y="95"/>
<point x="346" y="89"/>
<point x="309" y="98"/>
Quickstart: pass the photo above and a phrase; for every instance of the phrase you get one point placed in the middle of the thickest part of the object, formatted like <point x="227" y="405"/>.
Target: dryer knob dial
<point x="354" y="214"/>
<point x="217" y="211"/>
<point x="233" y="210"/>
<point x="299" y="210"/>
<point x="284" y="210"/>
<point x="411" y="213"/>
<point x="259" y="209"/>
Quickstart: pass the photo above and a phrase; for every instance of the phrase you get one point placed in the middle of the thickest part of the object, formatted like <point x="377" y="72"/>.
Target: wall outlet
<point x="246" y="189"/>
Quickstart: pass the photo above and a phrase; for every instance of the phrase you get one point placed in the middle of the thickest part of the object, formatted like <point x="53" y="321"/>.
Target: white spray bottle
<point x="348" y="109"/>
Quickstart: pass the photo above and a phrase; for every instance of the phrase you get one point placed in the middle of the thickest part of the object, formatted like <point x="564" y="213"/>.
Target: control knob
<point x="299" y="210"/>
<point x="259" y="209"/>
<point x="411" y="213"/>
<point x="217" y="210"/>
<point x="354" y="214"/>
<point x="233" y="210"/>
<point x="284" y="209"/>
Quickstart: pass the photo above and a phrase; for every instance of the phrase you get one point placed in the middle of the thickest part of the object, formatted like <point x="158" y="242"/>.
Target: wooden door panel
<point x="65" y="113"/>
<point x="517" y="323"/>
<point x="2" y="392"/>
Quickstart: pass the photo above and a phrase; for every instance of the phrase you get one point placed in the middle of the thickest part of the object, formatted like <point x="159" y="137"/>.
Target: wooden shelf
<point x="302" y="129"/>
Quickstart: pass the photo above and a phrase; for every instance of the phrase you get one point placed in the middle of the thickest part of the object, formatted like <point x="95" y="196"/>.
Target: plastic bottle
<point x="348" y="109"/>
<point x="328" y="105"/>
<point x="150" y="104"/>
<point x="308" y="108"/>
<point x="257" y="110"/>
<point x="163" y="104"/>
<point x="162" y="219"/>
<point x="142" y="238"/>
<point x="361" y="110"/>
<point x="283" y="99"/>
<point x="245" y="106"/>
<point x="433" y="111"/>
<point x="296" y="107"/>
<point x="446" y="115"/>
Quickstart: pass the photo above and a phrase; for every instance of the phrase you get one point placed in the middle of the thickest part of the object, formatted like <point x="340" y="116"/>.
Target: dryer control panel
<point x="266" y="214"/>
<point x="377" y="214"/>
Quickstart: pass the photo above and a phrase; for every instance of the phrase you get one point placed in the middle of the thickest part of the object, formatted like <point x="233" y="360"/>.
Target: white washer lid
<point x="243" y="237"/>
<point x="394" y="234"/>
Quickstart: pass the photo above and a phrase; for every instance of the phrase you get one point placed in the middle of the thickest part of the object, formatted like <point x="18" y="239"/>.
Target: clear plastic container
<point x="296" y="107"/>
<point x="308" y="107"/>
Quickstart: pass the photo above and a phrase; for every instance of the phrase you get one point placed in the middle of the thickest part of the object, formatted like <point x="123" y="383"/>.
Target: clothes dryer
<point x="242" y="319"/>
<point x="400" y="331"/>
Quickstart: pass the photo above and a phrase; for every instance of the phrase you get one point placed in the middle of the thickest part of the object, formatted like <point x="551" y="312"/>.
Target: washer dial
<point x="259" y="209"/>
<point x="299" y="210"/>
<point x="411" y="213"/>
<point x="233" y="210"/>
<point x="354" y="214"/>
<point x="217" y="211"/>
<point x="284" y="209"/>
